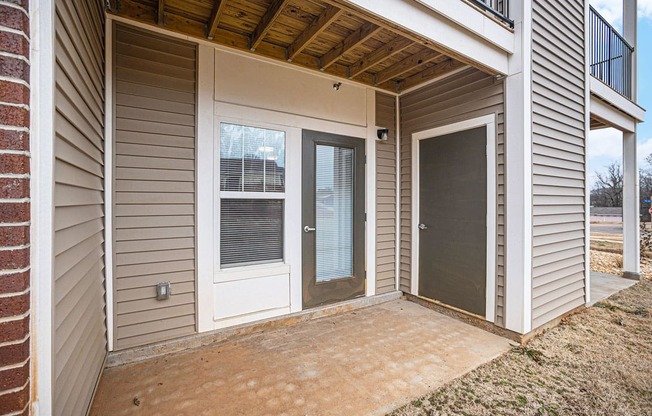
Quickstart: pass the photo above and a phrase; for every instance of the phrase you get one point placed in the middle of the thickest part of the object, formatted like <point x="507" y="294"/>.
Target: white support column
<point x="205" y="175"/>
<point x="42" y="71"/>
<point x="370" y="209"/>
<point x="518" y="175"/>
<point x="631" y="233"/>
<point x="630" y="33"/>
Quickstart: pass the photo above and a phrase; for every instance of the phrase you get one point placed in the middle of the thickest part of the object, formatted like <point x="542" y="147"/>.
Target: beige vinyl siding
<point x="154" y="184"/>
<point x="386" y="196"/>
<point x="558" y="137"/>
<point x="79" y="330"/>
<point x="465" y="95"/>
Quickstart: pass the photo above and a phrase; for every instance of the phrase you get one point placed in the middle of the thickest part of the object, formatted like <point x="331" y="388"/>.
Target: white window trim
<point x="208" y="273"/>
<point x="490" y="122"/>
<point x="219" y="195"/>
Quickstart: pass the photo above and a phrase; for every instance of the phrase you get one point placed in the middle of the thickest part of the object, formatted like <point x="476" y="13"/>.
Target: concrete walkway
<point x="604" y="285"/>
<point x="363" y="362"/>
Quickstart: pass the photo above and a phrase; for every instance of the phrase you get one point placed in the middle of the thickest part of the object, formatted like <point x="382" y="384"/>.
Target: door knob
<point x="307" y="229"/>
<point x="423" y="226"/>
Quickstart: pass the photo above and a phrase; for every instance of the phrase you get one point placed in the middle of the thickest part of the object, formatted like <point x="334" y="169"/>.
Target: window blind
<point x="251" y="231"/>
<point x="252" y="159"/>
<point x="334" y="212"/>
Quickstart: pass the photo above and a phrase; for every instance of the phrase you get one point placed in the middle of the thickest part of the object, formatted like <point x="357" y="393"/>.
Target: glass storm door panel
<point x="334" y="212"/>
<point x="333" y="218"/>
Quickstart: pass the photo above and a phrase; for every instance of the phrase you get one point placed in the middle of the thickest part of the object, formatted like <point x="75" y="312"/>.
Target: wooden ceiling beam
<point x="406" y="65"/>
<point x="272" y="13"/>
<point x="392" y="27"/>
<point x="218" y="9"/>
<point x="317" y="26"/>
<point x="160" y="18"/>
<point x="352" y="41"/>
<point x="386" y="51"/>
<point x="428" y="74"/>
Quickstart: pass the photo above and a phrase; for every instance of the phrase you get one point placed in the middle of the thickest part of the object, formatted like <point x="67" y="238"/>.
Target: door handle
<point x="423" y="226"/>
<point x="307" y="229"/>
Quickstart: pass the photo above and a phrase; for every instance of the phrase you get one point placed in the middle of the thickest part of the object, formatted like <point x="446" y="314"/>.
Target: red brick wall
<point x="14" y="208"/>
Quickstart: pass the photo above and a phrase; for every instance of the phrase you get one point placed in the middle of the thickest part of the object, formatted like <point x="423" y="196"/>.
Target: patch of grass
<point x="608" y="306"/>
<point x="547" y="409"/>
<point x="522" y="400"/>
<point x="585" y="367"/>
<point x="536" y="355"/>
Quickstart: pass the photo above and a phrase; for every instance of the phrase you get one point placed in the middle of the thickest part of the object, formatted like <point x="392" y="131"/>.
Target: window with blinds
<point x="251" y="159"/>
<point x="252" y="186"/>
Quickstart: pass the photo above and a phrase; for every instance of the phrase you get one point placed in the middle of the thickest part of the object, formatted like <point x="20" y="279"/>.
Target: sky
<point x="605" y="145"/>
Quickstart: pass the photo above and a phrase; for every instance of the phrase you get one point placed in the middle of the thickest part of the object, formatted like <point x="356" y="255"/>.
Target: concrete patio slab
<point x="363" y="362"/>
<point x="604" y="285"/>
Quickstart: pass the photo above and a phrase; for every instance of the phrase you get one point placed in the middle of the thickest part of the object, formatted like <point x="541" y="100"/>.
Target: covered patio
<point x="363" y="362"/>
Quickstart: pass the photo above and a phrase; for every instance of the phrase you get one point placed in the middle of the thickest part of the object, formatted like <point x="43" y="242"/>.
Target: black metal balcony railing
<point x="611" y="55"/>
<point x="498" y="8"/>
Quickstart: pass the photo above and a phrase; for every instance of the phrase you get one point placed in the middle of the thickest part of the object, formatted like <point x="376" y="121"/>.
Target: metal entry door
<point x="333" y="218"/>
<point x="453" y="219"/>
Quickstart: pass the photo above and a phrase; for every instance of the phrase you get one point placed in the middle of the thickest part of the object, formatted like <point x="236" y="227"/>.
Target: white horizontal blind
<point x="252" y="159"/>
<point x="252" y="162"/>
<point x="251" y="231"/>
<point x="334" y="212"/>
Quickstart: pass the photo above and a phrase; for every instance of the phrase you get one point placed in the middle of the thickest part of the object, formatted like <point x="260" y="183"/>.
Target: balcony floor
<point x="362" y="362"/>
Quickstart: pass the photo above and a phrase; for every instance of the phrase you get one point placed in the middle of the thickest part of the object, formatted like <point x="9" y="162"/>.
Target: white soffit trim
<point x="605" y="92"/>
<point x="611" y="115"/>
<point x="417" y="18"/>
<point x="490" y="122"/>
<point x="474" y="20"/>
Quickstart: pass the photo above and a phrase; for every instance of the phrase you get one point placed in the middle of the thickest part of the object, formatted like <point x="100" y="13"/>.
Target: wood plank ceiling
<point x="324" y="35"/>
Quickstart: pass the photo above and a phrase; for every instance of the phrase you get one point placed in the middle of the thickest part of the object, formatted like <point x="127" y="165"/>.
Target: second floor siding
<point x="558" y="157"/>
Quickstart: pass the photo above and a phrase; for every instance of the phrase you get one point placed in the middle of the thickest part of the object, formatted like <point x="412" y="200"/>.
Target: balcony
<point x="610" y="55"/>
<point x="497" y="8"/>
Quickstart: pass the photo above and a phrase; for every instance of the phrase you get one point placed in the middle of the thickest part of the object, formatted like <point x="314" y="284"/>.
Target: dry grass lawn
<point x="597" y="362"/>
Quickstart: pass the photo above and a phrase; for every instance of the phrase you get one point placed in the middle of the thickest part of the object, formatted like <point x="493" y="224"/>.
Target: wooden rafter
<point x="356" y="38"/>
<point x="402" y="76"/>
<point x="406" y="65"/>
<point x="218" y="9"/>
<point x="356" y="11"/>
<point x="160" y="18"/>
<point x="379" y="55"/>
<point x="317" y="26"/>
<point x="272" y="13"/>
<point x="431" y="73"/>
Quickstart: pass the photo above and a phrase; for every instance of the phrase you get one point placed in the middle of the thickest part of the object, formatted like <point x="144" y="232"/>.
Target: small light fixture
<point x="383" y="134"/>
<point x="337" y="86"/>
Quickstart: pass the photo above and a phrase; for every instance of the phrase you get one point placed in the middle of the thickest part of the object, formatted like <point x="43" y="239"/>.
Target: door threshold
<point x="464" y="316"/>
<point x="146" y="352"/>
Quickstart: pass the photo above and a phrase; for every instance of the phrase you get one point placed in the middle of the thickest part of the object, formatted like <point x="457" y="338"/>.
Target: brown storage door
<point x="154" y="183"/>
<point x="452" y="218"/>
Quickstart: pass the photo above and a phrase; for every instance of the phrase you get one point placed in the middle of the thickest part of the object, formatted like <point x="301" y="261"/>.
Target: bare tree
<point x="608" y="189"/>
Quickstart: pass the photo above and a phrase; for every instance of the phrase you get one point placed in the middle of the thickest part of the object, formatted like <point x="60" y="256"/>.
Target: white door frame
<point x="490" y="122"/>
